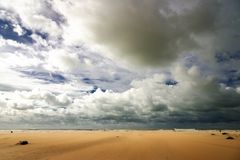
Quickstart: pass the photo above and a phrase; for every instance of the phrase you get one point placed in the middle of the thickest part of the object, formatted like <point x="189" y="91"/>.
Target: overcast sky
<point x="119" y="64"/>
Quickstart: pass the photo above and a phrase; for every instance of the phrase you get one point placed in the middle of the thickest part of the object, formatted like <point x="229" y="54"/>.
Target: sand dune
<point x="119" y="145"/>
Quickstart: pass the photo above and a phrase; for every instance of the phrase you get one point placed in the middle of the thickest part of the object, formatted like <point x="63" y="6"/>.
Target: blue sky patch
<point x="231" y="78"/>
<point x="88" y="81"/>
<point x="93" y="81"/>
<point x="42" y="34"/>
<point x="171" y="82"/>
<point x="46" y="76"/>
<point x="7" y="32"/>
<point x="95" y="89"/>
<point x="227" y="56"/>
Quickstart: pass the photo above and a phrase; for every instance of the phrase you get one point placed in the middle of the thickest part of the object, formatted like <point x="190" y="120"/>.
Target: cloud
<point x="35" y="17"/>
<point x="153" y="32"/>
<point x="149" y="103"/>
<point x="25" y="100"/>
<point x="150" y="32"/>
<point x="193" y="99"/>
<point x="63" y="61"/>
<point x="66" y="77"/>
<point x="35" y="66"/>
<point x="46" y="76"/>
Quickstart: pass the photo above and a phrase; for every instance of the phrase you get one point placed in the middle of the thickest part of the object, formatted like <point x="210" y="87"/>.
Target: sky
<point x="129" y="64"/>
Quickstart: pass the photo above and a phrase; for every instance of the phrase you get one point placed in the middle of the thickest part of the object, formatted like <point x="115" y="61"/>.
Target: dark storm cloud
<point x="156" y="32"/>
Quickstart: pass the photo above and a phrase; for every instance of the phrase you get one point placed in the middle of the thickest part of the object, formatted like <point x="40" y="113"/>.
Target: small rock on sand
<point x="229" y="137"/>
<point x="22" y="142"/>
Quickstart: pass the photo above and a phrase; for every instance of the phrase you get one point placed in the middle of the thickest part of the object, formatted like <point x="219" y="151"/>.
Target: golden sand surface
<point x="120" y="145"/>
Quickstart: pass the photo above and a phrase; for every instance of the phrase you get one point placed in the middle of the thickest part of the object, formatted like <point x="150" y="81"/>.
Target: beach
<point x="120" y="145"/>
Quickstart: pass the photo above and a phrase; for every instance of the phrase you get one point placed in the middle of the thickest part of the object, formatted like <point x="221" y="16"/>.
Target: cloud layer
<point x="157" y="32"/>
<point x="150" y="103"/>
<point x="127" y="64"/>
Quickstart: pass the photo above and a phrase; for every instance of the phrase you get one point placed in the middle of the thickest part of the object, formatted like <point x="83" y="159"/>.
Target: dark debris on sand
<point x="22" y="142"/>
<point x="229" y="137"/>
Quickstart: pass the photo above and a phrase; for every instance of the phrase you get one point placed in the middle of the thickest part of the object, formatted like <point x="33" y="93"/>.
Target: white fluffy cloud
<point x="149" y="101"/>
<point x="32" y="15"/>
<point x="63" y="61"/>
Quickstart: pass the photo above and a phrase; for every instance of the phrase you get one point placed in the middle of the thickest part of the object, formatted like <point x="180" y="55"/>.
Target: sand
<point x="119" y="145"/>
